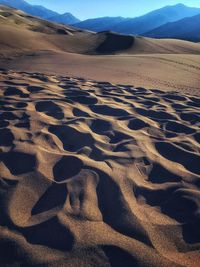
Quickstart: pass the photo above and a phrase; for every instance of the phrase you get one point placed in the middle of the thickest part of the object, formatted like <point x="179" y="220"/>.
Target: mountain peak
<point x="66" y="18"/>
<point x="180" y="5"/>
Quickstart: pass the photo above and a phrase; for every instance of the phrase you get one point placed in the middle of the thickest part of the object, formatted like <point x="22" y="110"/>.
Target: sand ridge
<point x="97" y="174"/>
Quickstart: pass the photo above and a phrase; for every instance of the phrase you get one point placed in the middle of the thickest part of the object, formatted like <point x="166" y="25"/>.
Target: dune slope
<point x="97" y="174"/>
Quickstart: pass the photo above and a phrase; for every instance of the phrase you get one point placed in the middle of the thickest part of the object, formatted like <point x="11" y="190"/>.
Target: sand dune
<point x="30" y="44"/>
<point x="97" y="174"/>
<point x="16" y="27"/>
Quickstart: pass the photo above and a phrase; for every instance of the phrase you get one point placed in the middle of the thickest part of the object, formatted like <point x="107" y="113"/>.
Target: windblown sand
<point x="97" y="174"/>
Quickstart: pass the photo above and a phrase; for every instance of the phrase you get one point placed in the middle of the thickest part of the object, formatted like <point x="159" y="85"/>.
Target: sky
<point x="84" y="9"/>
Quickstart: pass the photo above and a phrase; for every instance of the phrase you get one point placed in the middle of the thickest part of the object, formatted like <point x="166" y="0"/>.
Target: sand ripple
<point x="97" y="174"/>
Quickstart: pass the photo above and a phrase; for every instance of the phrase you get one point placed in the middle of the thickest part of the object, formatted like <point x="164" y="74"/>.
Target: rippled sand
<point x="97" y="174"/>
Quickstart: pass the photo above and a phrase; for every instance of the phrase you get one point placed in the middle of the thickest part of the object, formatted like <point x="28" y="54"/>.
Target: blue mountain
<point x="142" y="24"/>
<point x="40" y="11"/>
<point x="186" y="29"/>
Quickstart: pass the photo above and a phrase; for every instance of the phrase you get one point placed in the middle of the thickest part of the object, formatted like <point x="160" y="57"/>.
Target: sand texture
<point x="167" y="72"/>
<point x="97" y="174"/>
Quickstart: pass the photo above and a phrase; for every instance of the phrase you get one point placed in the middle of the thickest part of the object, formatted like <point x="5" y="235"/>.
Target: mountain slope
<point x="21" y="20"/>
<point x="66" y="18"/>
<point x="144" y="23"/>
<point x="40" y="11"/>
<point x="100" y="24"/>
<point x="187" y="29"/>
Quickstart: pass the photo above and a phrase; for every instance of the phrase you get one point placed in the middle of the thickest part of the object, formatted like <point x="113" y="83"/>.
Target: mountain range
<point x="177" y="21"/>
<point x="186" y="29"/>
<point x="140" y="25"/>
<point x="100" y="24"/>
<point x="41" y="11"/>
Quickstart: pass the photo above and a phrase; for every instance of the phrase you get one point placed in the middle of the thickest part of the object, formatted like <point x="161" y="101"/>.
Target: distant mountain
<point x="141" y="24"/>
<point x="100" y="24"/>
<point x="66" y="18"/>
<point x="40" y="11"/>
<point x="186" y="29"/>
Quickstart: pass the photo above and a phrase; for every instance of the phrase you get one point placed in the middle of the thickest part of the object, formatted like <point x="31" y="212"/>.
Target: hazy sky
<point x="84" y="9"/>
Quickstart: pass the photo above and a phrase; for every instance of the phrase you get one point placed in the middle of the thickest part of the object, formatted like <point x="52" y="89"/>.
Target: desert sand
<point x="97" y="174"/>
<point x="30" y="44"/>
<point x="99" y="147"/>
<point x="167" y="72"/>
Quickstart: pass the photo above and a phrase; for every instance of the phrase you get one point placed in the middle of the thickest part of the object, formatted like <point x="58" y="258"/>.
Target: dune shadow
<point x="174" y="97"/>
<point x="53" y="197"/>
<point x="85" y="100"/>
<point x="179" y="128"/>
<point x="190" y="117"/>
<point x="114" y="42"/>
<point x="112" y="205"/>
<point x="137" y="124"/>
<point x="67" y="167"/>
<point x="80" y="113"/>
<point x="159" y="175"/>
<point x="6" y="135"/>
<point x="51" y="234"/>
<point x="189" y="160"/>
<point x="10" y="116"/>
<point x="19" y="163"/>
<point x="191" y="232"/>
<point x="34" y="89"/>
<point x="100" y="126"/>
<point x="11" y="91"/>
<point x="116" y="137"/>
<point x="72" y="139"/>
<point x="181" y="205"/>
<point x="108" y="111"/>
<point x="197" y="137"/>
<point x="118" y="257"/>
<point x="156" y="115"/>
<point x="3" y="124"/>
<point x="50" y="108"/>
